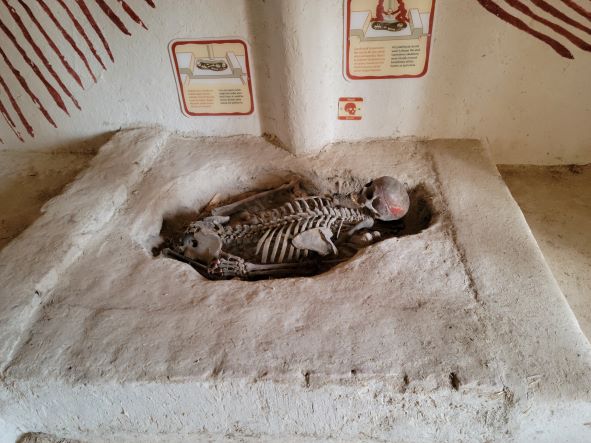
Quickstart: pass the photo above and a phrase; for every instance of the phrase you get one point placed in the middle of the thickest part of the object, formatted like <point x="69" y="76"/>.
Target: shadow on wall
<point x="297" y="48"/>
<point x="266" y="27"/>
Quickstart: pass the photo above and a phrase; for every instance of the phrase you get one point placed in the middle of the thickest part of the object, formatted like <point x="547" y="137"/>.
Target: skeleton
<point x="213" y="65"/>
<point x="388" y="26"/>
<point x="283" y="232"/>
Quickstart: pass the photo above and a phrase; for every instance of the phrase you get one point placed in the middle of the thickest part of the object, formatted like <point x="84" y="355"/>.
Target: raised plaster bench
<point x="459" y="333"/>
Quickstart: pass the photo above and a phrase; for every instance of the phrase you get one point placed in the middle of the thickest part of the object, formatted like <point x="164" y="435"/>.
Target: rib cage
<point x="272" y="231"/>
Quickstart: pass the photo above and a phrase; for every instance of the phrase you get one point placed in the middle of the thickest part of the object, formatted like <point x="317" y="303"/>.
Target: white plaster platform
<point x="459" y="333"/>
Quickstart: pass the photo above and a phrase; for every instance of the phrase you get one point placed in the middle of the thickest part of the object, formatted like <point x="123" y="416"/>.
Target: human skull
<point x="386" y="198"/>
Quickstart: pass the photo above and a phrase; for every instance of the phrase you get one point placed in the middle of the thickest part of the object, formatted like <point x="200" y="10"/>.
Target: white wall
<point x="139" y="88"/>
<point x="487" y="80"/>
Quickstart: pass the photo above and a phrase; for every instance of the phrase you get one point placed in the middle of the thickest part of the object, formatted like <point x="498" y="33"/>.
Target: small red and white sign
<point x="350" y="108"/>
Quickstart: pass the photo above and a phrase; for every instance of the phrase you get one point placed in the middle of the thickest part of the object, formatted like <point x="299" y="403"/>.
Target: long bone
<point x="247" y="270"/>
<point x="242" y="204"/>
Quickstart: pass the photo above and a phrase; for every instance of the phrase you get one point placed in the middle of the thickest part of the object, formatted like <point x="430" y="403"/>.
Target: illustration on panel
<point x="213" y="77"/>
<point x="387" y="38"/>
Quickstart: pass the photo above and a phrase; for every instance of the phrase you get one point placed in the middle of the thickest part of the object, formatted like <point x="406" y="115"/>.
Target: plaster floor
<point x="556" y="202"/>
<point x="459" y="333"/>
<point x="27" y="181"/>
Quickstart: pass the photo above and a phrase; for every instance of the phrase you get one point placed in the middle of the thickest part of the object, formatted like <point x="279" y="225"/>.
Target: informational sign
<point x="387" y="38"/>
<point x="350" y="108"/>
<point x="212" y="76"/>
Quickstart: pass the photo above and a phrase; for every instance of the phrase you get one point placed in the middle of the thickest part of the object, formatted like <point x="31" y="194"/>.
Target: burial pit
<point x="456" y="332"/>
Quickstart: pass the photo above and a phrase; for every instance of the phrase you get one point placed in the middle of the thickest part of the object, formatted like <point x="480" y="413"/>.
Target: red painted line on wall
<point x="25" y="86"/>
<point x="132" y="13"/>
<point x="495" y="9"/>
<point x="51" y="43"/>
<point x="81" y="31"/>
<point x="112" y="16"/>
<point x="68" y="38"/>
<point x="54" y="94"/>
<point x="10" y="123"/>
<point x="17" y="108"/>
<point x="562" y="31"/>
<point x="542" y="4"/>
<point x="39" y="52"/>
<point x="574" y="6"/>
<point x="94" y="25"/>
<point x="151" y="3"/>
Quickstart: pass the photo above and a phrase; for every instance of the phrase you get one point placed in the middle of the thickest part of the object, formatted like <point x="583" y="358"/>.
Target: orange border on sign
<point x="180" y="84"/>
<point x="354" y="77"/>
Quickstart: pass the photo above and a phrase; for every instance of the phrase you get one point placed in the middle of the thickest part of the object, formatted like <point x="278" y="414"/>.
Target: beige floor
<point x="556" y="202"/>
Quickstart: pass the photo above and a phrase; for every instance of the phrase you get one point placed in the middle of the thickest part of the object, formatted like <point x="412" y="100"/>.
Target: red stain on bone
<point x="51" y="43"/>
<point x="54" y="94"/>
<point x="68" y="38"/>
<point x="16" y="108"/>
<point x="112" y="16"/>
<point x="81" y="31"/>
<point x="39" y="52"/>
<point x="396" y="211"/>
<point x="25" y="86"/>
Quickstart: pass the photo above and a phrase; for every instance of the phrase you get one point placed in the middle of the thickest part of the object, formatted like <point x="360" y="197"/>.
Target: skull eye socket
<point x="368" y="191"/>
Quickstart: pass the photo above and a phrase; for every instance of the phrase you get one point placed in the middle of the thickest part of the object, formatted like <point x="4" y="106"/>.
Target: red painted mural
<point x="560" y="18"/>
<point x="28" y="15"/>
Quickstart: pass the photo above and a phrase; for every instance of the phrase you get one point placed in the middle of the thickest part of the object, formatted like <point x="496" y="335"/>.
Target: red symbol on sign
<point x="350" y="108"/>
